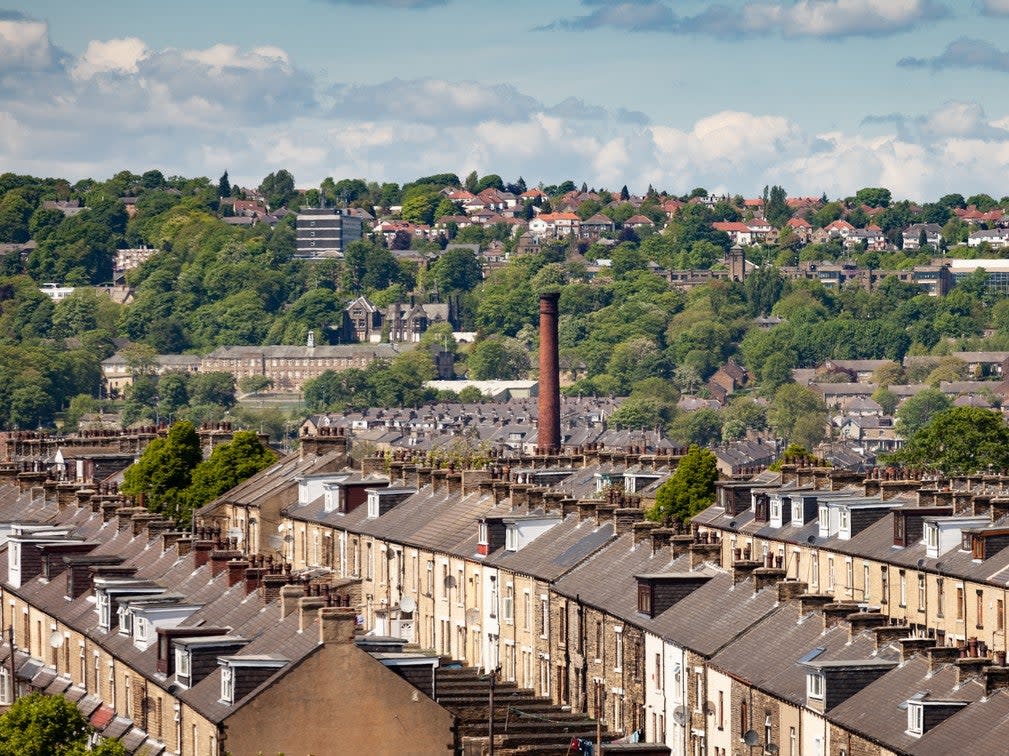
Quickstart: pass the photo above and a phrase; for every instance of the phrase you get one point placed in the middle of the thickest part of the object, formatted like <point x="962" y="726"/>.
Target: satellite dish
<point x="751" y="738"/>
<point x="56" y="639"/>
<point x="450" y="581"/>
<point x="921" y="563"/>
<point x="276" y="542"/>
<point x="732" y="524"/>
<point x="407" y="604"/>
<point x="939" y="566"/>
<point x="811" y="539"/>
<point x="771" y="748"/>
<point x="709" y="708"/>
<point x="472" y="616"/>
<point x="680" y="715"/>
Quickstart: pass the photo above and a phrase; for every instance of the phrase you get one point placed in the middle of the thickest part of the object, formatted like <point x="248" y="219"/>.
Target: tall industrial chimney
<point x="548" y="436"/>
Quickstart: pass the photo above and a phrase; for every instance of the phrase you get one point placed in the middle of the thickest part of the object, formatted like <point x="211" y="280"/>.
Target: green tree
<point x="224" y="186"/>
<point x="886" y="399"/>
<point x="253" y="384"/>
<point x="41" y="725"/>
<point x="642" y="413"/>
<point x="212" y="388"/>
<point x="740" y="416"/>
<point x="917" y="411"/>
<point x="227" y="466"/>
<point x="873" y="197"/>
<point x="456" y="270"/>
<point x="497" y="358"/>
<point x="689" y="489"/>
<point x="702" y="427"/>
<point x="777" y="210"/>
<point x="471" y="395"/>
<point x="764" y="288"/>
<point x="165" y="468"/>
<point x="791" y="403"/>
<point x="959" y="440"/>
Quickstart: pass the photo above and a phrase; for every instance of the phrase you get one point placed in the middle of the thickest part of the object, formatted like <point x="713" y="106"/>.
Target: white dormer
<point x="311" y="487"/>
<point x="781" y="511"/>
<point x="942" y="534"/>
<point x="332" y="500"/>
<point x="521" y="531"/>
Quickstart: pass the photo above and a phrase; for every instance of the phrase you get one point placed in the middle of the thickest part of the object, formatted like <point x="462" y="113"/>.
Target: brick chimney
<point x="253" y="578"/>
<point x="835" y="613"/>
<point x="995" y="678"/>
<point x="889" y="633"/>
<point x="743" y="568"/>
<point x="289" y="597"/>
<point x="219" y="559"/>
<point x="788" y="590"/>
<point x="939" y="656"/>
<point x="764" y="577"/>
<point x="970" y="667"/>
<point x="337" y="624"/>
<point x="624" y="519"/>
<point x="643" y="531"/>
<point x="859" y="621"/>
<point x="201" y="552"/>
<point x="548" y="424"/>
<point x="811" y="602"/>
<point x="911" y="646"/>
<point x="307" y="610"/>
<point x="272" y="585"/>
<point x="236" y="571"/>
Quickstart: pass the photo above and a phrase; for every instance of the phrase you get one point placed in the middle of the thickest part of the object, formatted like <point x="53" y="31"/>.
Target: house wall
<point x="371" y="710"/>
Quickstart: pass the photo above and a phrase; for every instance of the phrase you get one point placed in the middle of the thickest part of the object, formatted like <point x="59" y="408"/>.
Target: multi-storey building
<point x="325" y="232"/>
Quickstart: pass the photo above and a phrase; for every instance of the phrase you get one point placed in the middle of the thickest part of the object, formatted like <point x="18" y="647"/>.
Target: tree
<point x="886" y="399"/>
<point x="959" y="440"/>
<point x="763" y="289"/>
<point x="471" y="395"/>
<point x="227" y="466"/>
<point x="165" y="468"/>
<point x="497" y="358"/>
<point x="642" y="413"/>
<point x="41" y="725"/>
<point x="917" y="410"/>
<point x="224" y="186"/>
<point x="873" y="197"/>
<point x="777" y="210"/>
<point x="702" y="427"/>
<point x="212" y="388"/>
<point x="253" y="384"/>
<point x="457" y="270"/>
<point x="689" y="489"/>
<point x="791" y="403"/>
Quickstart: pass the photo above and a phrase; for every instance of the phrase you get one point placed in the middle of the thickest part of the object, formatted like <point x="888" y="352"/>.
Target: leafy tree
<point x="471" y="395"/>
<point x="224" y="186"/>
<point x="959" y="440"/>
<point x="456" y="270"/>
<point x="253" y="384"/>
<point x="918" y="410"/>
<point x="228" y="465"/>
<point x="419" y="203"/>
<point x="643" y="413"/>
<point x="776" y="210"/>
<point x="165" y="468"/>
<point x="886" y="399"/>
<point x="173" y="393"/>
<point x="741" y="415"/>
<point x="490" y="181"/>
<point x="212" y="388"/>
<point x="689" y="490"/>
<point x="15" y="212"/>
<point x="873" y="197"/>
<point x="764" y="288"/>
<point x="791" y="403"/>
<point x="278" y="188"/>
<point x="497" y="358"/>
<point x="41" y="725"/>
<point x="702" y="427"/>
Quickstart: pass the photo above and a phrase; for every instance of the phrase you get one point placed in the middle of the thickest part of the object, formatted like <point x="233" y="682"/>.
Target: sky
<point x="815" y="95"/>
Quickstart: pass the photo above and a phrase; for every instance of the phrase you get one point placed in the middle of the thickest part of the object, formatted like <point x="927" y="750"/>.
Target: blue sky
<point x="818" y="95"/>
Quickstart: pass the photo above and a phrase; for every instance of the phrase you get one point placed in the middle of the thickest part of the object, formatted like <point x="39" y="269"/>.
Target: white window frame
<point x="227" y="684"/>
<point x="915" y="718"/>
<point x="814" y="685"/>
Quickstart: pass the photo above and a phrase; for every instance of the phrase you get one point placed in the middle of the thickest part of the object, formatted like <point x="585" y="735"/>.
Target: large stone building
<point x="325" y="232"/>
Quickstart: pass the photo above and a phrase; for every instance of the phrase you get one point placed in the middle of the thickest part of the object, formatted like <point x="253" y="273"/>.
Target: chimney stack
<point x="548" y="424"/>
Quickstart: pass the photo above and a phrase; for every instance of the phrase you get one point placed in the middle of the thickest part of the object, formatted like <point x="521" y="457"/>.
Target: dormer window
<point x="125" y="620"/>
<point x="227" y="684"/>
<point x="814" y="685"/>
<point x="373" y="508"/>
<point x="824" y="520"/>
<point x="104" y="606"/>
<point x="512" y="538"/>
<point x="645" y="599"/>
<point x="915" y="718"/>
<point x="931" y="535"/>
<point x="844" y="521"/>
<point x="977" y="548"/>
<point x="182" y="672"/>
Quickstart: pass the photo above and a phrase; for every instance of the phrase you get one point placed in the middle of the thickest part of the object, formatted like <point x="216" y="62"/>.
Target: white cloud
<point x="995" y="7"/>
<point x="111" y="56"/>
<point x="803" y="18"/>
<point x="25" y="45"/>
